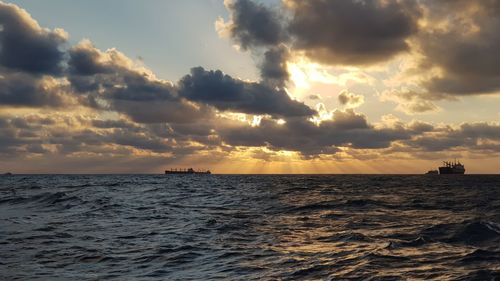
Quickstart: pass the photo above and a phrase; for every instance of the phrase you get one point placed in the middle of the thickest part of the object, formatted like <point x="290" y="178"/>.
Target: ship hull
<point x="186" y="173"/>
<point x="450" y="171"/>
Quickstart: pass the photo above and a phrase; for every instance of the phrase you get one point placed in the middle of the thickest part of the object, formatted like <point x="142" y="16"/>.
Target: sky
<point x="247" y="86"/>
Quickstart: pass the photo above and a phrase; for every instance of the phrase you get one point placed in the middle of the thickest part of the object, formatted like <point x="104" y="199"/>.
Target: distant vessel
<point x="449" y="168"/>
<point x="432" y="172"/>
<point x="8" y="174"/>
<point x="186" y="171"/>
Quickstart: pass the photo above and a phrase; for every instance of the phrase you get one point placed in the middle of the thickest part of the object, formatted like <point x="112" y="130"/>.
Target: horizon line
<point x="284" y="174"/>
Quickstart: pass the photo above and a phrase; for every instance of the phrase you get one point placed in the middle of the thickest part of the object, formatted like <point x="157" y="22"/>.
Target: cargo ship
<point x="189" y="171"/>
<point x="450" y="168"/>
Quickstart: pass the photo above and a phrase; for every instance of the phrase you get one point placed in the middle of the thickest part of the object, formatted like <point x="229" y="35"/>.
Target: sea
<point x="250" y="227"/>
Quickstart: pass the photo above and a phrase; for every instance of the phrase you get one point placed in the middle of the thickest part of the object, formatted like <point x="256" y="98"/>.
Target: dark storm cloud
<point x="463" y="47"/>
<point x="108" y="76"/>
<point x="254" y="24"/>
<point x="27" y="47"/>
<point x="347" y="128"/>
<point x="147" y="100"/>
<point x="85" y="59"/>
<point x="333" y="32"/>
<point x="161" y="111"/>
<point x="352" y="32"/>
<point x="157" y="138"/>
<point x="89" y="140"/>
<point x="140" y="141"/>
<point x="29" y="54"/>
<point x="259" y="28"/>
<point x="25" y="90"/>
<point x="480" y="131"/>
<point x="226" y="93"/>
<point x="91" y="69"/>
<point x="132" y="86"/>
<point x="469" y="136"/>
<point x="469" y="66"/>
<point x="435" y="144"/>
<point x="466" y="51"/>
<point x="273" y="69"/>
<point x="145" y="103"/>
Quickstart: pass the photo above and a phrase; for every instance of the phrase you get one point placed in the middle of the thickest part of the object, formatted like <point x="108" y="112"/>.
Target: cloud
<point x="254" y="24"/>
<point x="330" y="32"/>
<point x="462" y="50"/>
<point x="226" y="93"/>
<point x="350" y="100"/>
<point x="348" y="119"/>
<point x="25" y="90"/>
<point x="273" y="69"/>
<point x="345" y="129"/>
<point x="257" y="27"/>
<point x="29" y="57"/>
<point x="411" y="102"/>
<point x="22" y="135"/>
<point x="352" y="32"/>
<point x="84" y="134"/>
<point x="27" y="47"/>
<point x="456" y="55"/>
<point x="85" y="60"/>
<point x="480" y="138"/>
<point x="110" y="124"/>
<point x="114" y="79"/>
<point x="160" y="111"/>
<point x="110" y="76"/>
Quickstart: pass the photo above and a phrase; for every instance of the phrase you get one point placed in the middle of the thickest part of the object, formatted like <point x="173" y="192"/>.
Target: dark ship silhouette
<point x="449" y="168"/>
<point x="189" y="171"/>
<point x="452" y="168"/>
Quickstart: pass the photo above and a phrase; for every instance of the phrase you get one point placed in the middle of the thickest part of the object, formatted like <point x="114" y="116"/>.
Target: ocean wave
<point x="46" y="199"/>
<point x="346" y="237"/>
<point x="480" y="255"/>
<point x="469" y="232"/>
<point x="417" y="242"/>
<point x="480" y="275"/>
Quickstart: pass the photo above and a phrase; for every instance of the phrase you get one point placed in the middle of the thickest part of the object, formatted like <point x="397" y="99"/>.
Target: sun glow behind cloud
<point x="305" y="75"/>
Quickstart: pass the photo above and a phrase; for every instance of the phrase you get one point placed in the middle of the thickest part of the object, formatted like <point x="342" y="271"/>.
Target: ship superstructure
<point x="454" y="167"/>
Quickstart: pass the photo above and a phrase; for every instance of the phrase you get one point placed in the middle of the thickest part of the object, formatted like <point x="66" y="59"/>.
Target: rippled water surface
<point x="157" y="227"/>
